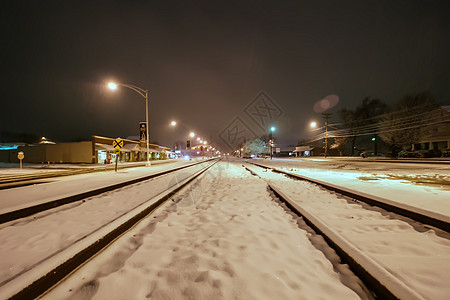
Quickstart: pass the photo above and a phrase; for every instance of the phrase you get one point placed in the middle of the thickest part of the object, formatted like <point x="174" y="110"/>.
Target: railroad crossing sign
<point x="118" y="143"/>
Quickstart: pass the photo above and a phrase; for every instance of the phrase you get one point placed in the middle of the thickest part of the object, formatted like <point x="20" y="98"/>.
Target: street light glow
<point x="205" y="142"/>
<point x="112" y="86"/>
<point x="313" y="125"/>
<point x="144" y="94"/>
<point x="272" y="128"/>
<point x="173" y="123"/>
<point x="192" y="134"/>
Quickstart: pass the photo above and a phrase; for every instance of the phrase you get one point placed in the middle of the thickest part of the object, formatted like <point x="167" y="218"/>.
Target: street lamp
<point x="272" y="129"/>
<point x="143" y="93"/>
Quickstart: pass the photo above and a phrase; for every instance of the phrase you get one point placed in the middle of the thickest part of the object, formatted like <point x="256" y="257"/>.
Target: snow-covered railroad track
<point x="420" y="215"/>
<point x="46" y="260"/>
<point x="17" y="180"/>
<point x="17" y="213"/>
<point x="396" y="257"/>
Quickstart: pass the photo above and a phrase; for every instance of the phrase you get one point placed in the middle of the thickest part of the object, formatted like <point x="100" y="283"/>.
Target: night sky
<point x="228" y="70"/>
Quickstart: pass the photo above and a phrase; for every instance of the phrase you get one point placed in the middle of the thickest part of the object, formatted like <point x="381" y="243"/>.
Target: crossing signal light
<point x="188" y="144"/>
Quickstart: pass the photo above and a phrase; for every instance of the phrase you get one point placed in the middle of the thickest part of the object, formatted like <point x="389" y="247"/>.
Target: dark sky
<point x="226" y="69"/>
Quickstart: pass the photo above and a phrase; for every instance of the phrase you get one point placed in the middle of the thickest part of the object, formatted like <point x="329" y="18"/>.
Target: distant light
<point x="43" y="138"/>
<point x="177" y="151"/>
<point x="186" y="157"/>
<point x="272" y="129"/>
<point x="313" y="125"/>
<point x="198" y="152"/>
<point x="173" y="123"/>
<point x="373" y="139"/>
<point x="204" y="142"/>
<point x="112" y="86"/>
<point x="192" y="134"/>
<point x="198" y="139"/>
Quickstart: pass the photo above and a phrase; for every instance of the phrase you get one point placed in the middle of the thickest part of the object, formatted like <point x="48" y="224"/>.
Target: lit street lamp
<point x="143" y="93"/>
<point x="272" y="129"/>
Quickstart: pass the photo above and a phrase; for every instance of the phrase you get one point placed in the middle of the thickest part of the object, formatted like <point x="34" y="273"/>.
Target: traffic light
<point x="188" y="144"/>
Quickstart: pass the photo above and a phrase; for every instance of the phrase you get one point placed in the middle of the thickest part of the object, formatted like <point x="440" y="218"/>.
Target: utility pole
<point x="326" y="116"/>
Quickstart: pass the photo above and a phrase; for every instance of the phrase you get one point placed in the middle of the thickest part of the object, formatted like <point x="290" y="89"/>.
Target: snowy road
<point x="225" y="238"/>
<point x="228" y="237"/>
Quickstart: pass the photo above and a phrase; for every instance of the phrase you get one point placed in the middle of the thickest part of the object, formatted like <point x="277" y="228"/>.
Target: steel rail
<point x="31" y="210"/>
<point x="365" y="268"/>
<point x="54" y="276"/>
<point x="423" y="216"/>
<point x="20" y="179"/>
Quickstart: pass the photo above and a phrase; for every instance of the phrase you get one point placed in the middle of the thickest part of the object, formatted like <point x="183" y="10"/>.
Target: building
<point x="304" y="151"/>
<point x="434" y="138"/>
<point x="98" y="150"/>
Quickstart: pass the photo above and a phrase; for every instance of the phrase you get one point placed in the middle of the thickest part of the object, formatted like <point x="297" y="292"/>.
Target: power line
<point x="409" y="122"/>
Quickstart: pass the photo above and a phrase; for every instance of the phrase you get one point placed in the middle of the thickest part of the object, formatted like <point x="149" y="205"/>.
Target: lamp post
<point x="272" y="129"/>
<point x="143" y="93"/>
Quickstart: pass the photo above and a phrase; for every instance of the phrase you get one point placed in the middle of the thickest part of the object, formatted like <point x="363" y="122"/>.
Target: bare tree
<point x="361" y="117"/>
<point x="339" y="144"/>
<point x="401" y="126"/>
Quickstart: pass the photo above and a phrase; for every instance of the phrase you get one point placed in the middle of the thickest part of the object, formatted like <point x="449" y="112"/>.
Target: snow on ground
<point x="225" y="238"/>
<point x="410" y="251"/>
<point x="59" y="187"/>
<point x="13" y="169"/>
<point x="28" y="241"/>
<point x="426" y="186"/>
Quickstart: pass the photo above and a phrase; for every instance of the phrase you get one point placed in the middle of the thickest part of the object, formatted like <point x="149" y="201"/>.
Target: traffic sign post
<point x="117" y="144"/>
<point x="20" y="156"/>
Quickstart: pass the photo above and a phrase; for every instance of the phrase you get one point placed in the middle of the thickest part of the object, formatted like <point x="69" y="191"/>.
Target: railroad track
<point x="17" y="180"/>
<point x="414" y="213"/>
<point x="33" y="209"/>
<point x="48" y="271"/>
<point x="385" y="281"/>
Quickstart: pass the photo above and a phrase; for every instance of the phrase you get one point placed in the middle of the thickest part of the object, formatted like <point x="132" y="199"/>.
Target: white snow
<point x="227" y="237"/>
<point x="426" y="186"/>
<point x="410" y="251"/>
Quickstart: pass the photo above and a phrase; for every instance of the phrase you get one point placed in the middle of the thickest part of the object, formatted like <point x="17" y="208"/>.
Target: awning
<point x="301" y="149"/>
<point x="150" y="150"/>
<point x="131" y="147"/>
<point x="103" y="147"/>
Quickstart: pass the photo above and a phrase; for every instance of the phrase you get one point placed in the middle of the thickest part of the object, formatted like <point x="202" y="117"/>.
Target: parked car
<point x="409" y="154"/>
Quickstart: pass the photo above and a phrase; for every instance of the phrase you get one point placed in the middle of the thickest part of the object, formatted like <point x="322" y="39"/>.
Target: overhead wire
<point x="388" y="125"/>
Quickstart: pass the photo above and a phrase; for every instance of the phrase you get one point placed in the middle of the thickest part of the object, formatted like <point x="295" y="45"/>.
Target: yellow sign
<point x="117" y="151"/>
<point x="118" y="143"/>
